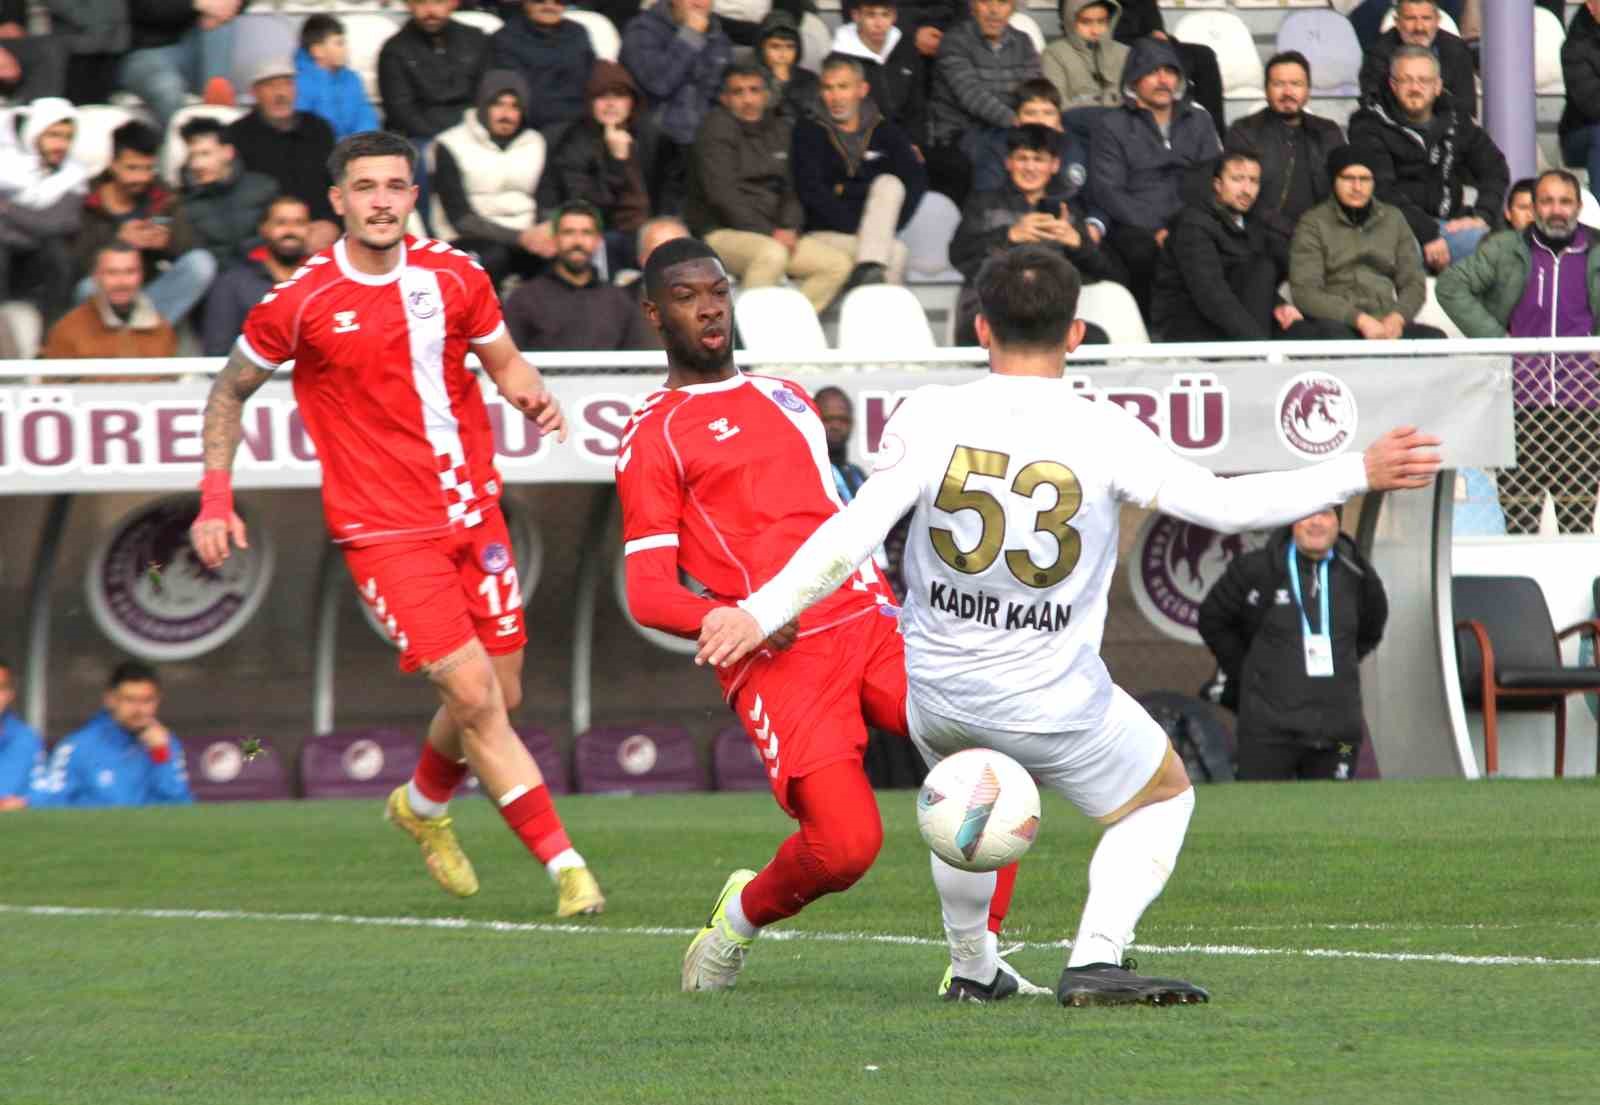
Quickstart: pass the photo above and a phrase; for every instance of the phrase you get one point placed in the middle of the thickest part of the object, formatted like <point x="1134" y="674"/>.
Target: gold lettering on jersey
<point x="954" y="495"/>
<point x="1069" y="546"/>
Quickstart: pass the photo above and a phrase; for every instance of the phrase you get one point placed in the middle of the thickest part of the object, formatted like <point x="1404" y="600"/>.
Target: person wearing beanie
<point x="1354" y="269"/>
<point x="553" y="55"/>
<point x="792" y="91"/>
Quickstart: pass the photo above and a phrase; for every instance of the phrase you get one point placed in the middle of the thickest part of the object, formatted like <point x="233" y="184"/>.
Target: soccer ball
<point x="978" y="810"/>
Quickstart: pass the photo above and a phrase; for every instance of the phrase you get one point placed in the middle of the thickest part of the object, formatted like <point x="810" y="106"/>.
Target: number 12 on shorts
<point x="490" y="589"/>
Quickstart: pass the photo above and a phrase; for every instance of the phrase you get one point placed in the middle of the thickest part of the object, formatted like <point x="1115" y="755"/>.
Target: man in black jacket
<point x="553" y="55"/>
<point x="1423" y="151"/>
<point x="1289" y="624"/>
<point x="290" y="146"/>
<point x="896" y="71"/>
<point x="857" y="175"/>
<point x="1219" y="274"/>
<point x="1416" y="23"/>
<point x="1292" y="143"/>
<point x="1580" y="74"/>
<point x="238" y="289"/>
<point x="428" y="71"/>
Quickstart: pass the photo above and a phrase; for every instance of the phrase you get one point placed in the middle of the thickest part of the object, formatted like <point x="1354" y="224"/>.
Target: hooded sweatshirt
<point x="554" y="62"/>
<point x="897" y="76"/>
<point x="795" y="98"/>
<point x="580" y="164"/>
<point x="1086" y="73"/>
<point x="40" y="201"/>
<point x="484" y="187"/>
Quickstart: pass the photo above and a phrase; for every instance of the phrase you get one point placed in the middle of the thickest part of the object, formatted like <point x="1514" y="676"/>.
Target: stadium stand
<point x="641" y="759"/>
<point x="487" y="22"/>
<point x="1330" y="45"/>
<point x="1029" y="26"/>
<point x="364" y="34"/>
<point x="777" y="319"/>
<point x="219" y="771"/>
<point x="1236" y="51"/>
<point x="1112" y="307"/>
<point x="735" y="762"/>
<point x="603" y="36"/>
<point x="357" y="763"/>
<point x="883" y="318"/>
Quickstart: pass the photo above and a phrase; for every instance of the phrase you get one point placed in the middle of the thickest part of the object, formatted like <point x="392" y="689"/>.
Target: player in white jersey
<point x="1017" y="481"/>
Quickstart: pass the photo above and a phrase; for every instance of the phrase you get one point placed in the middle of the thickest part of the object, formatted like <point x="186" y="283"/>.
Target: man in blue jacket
<point x="857" y="175"/>
<point x="123" y="756"/>
<point x="553" y="54"/>
<point x="324" y="83"/>
<point x="20" y="747"/>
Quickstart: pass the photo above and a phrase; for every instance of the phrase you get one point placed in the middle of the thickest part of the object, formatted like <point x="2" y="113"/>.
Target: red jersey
<point x="382" y="385"/>
<point x="724" y="481"/>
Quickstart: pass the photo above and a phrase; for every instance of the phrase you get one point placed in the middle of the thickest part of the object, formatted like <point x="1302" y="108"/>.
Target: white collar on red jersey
<point x="729" y="384"/>
<point x="341" y="256"/>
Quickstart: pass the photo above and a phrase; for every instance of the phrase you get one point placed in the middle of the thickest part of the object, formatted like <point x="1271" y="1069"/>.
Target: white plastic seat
<point x="927" y="236"/>
<point x="603" y="37"/>
<point x="21" y="330"/>
<point x="1112" y="307"/>
<point x="816" y="42"/>
<point x="364" y="34"/>
<point x="1235" y="48"/>
<point x="487" y="22"/>
<point x="777" y="320"/>
<point x="91" y="145"/>
<point x="1446" y="22"/>
<point x="1433" y="315"/>
<point x="1548" y="37"/>
<point x="883" y="319"/>
<point x="173" y="151"/>
<point x="1330" y="44"/>
<point x="1029" y="26"/>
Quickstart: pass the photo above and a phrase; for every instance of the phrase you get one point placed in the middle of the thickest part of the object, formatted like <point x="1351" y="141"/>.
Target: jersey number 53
<point x="955" y="495"/>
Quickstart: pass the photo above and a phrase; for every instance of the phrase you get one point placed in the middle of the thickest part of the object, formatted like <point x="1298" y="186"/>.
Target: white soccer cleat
<point x="716" y="954"/>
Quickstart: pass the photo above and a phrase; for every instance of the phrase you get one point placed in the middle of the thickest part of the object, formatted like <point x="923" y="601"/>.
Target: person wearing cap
<point x="791" y="91"/>
<point x="290" y="146"/>
<point x="1354" y="268"/>
<point x="552" y="54"/>
<point x="569" y="306"/>
<point x="896" y="71"/>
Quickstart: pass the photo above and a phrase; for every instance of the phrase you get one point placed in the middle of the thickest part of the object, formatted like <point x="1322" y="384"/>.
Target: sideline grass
<point x="125" y="1009"/>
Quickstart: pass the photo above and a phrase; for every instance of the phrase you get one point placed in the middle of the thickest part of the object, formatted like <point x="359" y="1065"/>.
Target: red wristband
<point x="216" y="496"/>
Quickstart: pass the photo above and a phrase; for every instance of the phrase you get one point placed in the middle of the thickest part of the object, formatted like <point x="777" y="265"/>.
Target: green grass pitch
<point x="1370" y="943"/>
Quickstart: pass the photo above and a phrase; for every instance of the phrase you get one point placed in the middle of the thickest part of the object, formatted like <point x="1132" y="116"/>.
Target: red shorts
<point x="810" y="705"/>
<point x="434" y="596"/>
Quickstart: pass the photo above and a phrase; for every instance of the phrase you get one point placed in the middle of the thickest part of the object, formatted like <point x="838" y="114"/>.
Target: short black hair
<point x="1231" y="154"/>
<point x="837" y="392"/>
<point x="740" y="69"/>
<point x="578" y="207"/>
<point x="1028" y="294"/>
<point x="369" y="143"/>
<point x="668" y="254"/>
<point x="132" y="671"/>
<point x="135" y="136"/>
<point x="1033" y="136"/>
<point x="203" y="126"/>
<point x="1527" y="184"/>
<point x="278" y="201"/>
<point x="1038" y="88"/>
<point x="318" y="28"/>
<point x="1288" y="57"/>
<point x="115" y="245"/>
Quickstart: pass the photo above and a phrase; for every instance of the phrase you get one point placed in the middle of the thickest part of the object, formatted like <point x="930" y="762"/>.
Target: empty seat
<point x="603" y="37"/>
<point x="1112" y="307"/>
<point x="364" y="34"/>
<point x="777" y="320"/>
<point x="219" y="771"/>
<point x="883" y="319"/>
<point x="643" y="759"/>
<point x="1329" y="43"/>
<point x="487" y="22"/>
<point x="1237" y="56"/>
<point x="927" y="235"/>
<point x="1548" y="37"/>
<point x="173" y="152"/>
<point x="1433" y="315"/>
<point x="357" y="763"/>
<point x="735" y="762"/>
<point x="1029" y="26"/>
<point x="816" y="42"/>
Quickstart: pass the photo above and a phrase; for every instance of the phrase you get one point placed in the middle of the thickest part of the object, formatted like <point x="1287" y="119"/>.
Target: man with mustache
<point x="283" y="229"/>
<point x="568" y="306"/>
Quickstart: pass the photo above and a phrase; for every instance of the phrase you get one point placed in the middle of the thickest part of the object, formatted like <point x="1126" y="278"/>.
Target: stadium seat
<point x="219" y="772"/>
<point x="365" y="33"/>
<point x="1112" y="307"/>
<point x="1433" y="315"/>
<point x="928" y="236"/>
<point x="1029" y="26"/>
<point x="91" y="145"/>
<point x="173" y="152"/>
<point x="1236" y="51"/>
<point x="487" y="22"/>
<point x="1447" y="22"/>
<point x="1589" y="216"/>
<point x="816" y="42"/>
<point x="777" y="320"/>
<point x="1508" y="657"/>
<point x="357" y="763"/>
<point x="644" y="759"/>
<point x="883" y="319"/>
<point x="735" y="762"/>
<point x="1329" y="43"/>
<point x="603" y="37"/>
<point x="21" y="330"/>
<point x="261" y="36"/>
<point x="1548" y="37"/>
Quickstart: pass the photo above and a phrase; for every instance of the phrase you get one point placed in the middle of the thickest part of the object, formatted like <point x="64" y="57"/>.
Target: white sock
<point x="563" y="860"/>
<point x="422" y="805"/>
<point x="964" y="900"/>
<point x="1130" y="866"/>
<point x="737" y="921"/>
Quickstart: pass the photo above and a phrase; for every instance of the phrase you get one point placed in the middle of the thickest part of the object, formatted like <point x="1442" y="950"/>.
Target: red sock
<point x="437" y="775"/>
<point x="1005" y="881"/>
<point x="532" y="816"/>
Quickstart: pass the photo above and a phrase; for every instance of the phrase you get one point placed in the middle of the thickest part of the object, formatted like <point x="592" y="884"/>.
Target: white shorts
<point x="1098" y="770"/>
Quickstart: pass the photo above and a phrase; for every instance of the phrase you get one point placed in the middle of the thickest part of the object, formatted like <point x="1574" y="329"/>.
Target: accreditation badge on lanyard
<point x="1318" y="646"/>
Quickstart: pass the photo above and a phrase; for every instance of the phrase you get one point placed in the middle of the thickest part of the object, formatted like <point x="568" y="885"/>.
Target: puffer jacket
<point x="973" y="82"/>
<point x="1338" y="270"/>
<point x="555" y="63"/>
<point x="740" y="177"/>
<point x="1086" y="73"/>
<point x="680" y="70"/>
<point x="226" y="216"/>
<point x="484" y="187"/>
<point x="426" y="81"/>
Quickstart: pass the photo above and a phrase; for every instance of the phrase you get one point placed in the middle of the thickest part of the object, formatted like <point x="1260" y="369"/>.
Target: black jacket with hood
<point x="795" y="98"/>
<point x="1456" y="68"/>
<point x="578" y="163"/>
<point x="554" y="62"/>
<point x="1192" y="293"/>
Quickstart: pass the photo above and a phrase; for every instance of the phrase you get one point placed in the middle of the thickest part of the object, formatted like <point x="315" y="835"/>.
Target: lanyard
<point x="843" y="485"/>
<point x="1322" y="586"/>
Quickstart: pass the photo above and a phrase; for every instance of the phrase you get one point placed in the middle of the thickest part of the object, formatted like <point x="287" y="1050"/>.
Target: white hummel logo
<point x="344" y="322"/>
<point x="1282" y="597"/>
<point x="721" y="428"/>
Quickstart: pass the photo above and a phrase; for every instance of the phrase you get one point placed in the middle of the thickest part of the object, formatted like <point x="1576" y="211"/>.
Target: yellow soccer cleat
<point x="716" y="953"/>
<point x="447" y="863"/>
<point x="577" y="892"/>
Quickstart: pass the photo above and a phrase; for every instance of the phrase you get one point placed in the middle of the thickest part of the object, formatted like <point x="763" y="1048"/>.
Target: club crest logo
<point x="1316" y="415"/>
<point x="422" y="303"/>
<point x="1172" y="567"/>
<point x="637" y="754"/>
<point x="221" y="762"/>
<point x="496" y="558"/>
<point x="789" y="401"/>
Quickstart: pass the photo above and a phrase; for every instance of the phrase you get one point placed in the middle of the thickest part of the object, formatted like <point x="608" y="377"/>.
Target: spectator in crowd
<point x="1202" y="73"/>
<point x="1416" y="24"/>
<point x="1039" y="101"/>
<point x="95" y="35"/>
<point x="1024" y="210"/>
<point x="486" y="172"/>
<point x="1423" y="151"/>
<point x="127" y="204"/>
<point x="553" y="56"/>
<point x="118" y="320"/>
<point x="1289" y="624"/>
<point x="657" y="232"/>
<point x="1219" y="273"/>
<point x="324" y="83"/>
<point x="20" y="746"/>
<point x="123" y="756"/>
<point x="1542" y="282"/>
<point x="41" y="203"/>
<point x="981" y="61"/>
<point x="791" y="90"/>
<point x="857" y="175"/>
<point x="1580" y="74"/>
<point x="428" y="71"/>
<point x="742" y="198"/>
<point x="1367" y="16"/>
<point x="1292" y="143"/>
<point x="1519" y="205"/>
<point x="926" y="21"/>
<point x="223" y="200"/>
<point x="284" y="226"/>
<point x="896" y="72"/>
<point x="1086" y="62"/>
<point x="31" y="66"/>
<point x="177" y="50"/>
<point x="1139" y="155"/>
<point x="569" y="306"/>
<point x="676" y="51"/>
<point x="290" y="146"/>
<point x="1354" y="270"/>
<point x="838" y="421"/>
<point x="607" y="157"/>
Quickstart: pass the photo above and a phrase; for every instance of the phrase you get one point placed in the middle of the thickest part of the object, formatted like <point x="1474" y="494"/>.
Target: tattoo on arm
<point x="239" y="379"/>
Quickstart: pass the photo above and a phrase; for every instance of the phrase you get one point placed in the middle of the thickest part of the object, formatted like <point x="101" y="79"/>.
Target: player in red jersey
<point x="724" y="475"/>
<point x="378" y="326"/>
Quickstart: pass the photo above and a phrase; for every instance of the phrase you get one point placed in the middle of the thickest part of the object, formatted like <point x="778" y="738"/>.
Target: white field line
<point x="462" y="924"/>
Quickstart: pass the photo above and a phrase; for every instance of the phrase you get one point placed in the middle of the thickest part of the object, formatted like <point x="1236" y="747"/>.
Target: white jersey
<point x="1016" y="483"/>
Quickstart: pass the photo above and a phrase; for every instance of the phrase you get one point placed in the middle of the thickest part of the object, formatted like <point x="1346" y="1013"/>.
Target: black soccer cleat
<point x="964" y="989"/>
<point x="1108" y="984"/>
